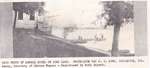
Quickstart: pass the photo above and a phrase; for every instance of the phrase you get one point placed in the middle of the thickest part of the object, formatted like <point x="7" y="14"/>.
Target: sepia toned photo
<point x="73" y="28"/>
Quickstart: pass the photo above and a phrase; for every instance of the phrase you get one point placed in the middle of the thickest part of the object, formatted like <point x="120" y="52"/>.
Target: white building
<point x="25" y="21"/>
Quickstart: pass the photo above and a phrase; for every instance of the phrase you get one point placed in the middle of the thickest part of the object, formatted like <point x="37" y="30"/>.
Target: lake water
<point x="126" y="38"/>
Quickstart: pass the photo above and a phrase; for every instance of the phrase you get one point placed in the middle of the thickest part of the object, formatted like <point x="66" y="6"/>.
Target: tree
<point x="26" y="7"/>
<point x="118" y="11"/>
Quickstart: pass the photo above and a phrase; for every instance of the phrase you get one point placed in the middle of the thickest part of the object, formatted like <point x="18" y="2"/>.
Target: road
<point x="29" y="43"/>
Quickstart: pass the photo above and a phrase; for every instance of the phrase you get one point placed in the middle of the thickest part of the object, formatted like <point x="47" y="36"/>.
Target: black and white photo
<point x="73" y="28"/>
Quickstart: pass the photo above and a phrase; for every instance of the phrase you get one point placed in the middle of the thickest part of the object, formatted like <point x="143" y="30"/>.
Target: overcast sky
<point x="80" y="12"/>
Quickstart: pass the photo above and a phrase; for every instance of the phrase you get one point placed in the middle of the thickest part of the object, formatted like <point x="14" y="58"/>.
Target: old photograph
<point x="73" y="28"/>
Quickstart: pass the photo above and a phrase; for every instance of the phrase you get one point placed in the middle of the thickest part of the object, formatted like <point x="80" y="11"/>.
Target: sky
<point x="66" y="12"/>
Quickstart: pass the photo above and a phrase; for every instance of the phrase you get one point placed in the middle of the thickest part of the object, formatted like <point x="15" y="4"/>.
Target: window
<point x="20" y="15"/>
<point x="32" y="17"/>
